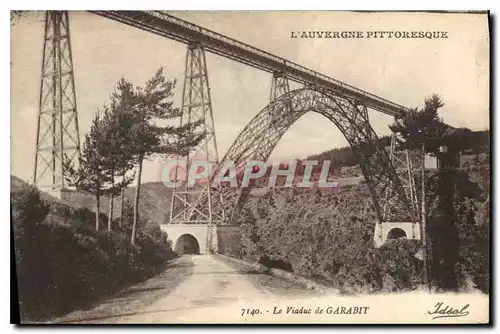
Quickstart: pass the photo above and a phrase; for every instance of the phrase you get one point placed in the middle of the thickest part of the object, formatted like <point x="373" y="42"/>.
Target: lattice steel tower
<point x="57" y="133"/>
<point x="406" y="163"/>
<point x="198" y="204"/>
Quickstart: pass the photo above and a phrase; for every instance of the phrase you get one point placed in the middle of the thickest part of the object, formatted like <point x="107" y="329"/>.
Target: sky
<point x="405" y="71"/>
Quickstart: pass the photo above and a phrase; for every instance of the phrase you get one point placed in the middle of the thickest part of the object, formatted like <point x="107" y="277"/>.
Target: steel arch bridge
<point x="389" y="176"/>
<point x="264" y="131"/>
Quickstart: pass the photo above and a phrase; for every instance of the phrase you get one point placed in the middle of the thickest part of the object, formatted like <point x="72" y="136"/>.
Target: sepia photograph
<point x="250" y="167"/>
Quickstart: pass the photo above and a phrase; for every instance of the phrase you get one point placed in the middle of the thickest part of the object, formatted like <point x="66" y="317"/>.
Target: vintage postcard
<point x="218" y="167"/>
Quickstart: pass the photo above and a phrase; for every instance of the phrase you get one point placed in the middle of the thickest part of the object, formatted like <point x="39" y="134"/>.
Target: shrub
<point x="62" y="262"/>
<point x="327" y="242"/>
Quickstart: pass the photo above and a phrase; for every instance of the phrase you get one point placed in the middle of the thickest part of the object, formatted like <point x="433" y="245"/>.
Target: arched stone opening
<point x="187" y="244"/>
<point x="396" y="233"/>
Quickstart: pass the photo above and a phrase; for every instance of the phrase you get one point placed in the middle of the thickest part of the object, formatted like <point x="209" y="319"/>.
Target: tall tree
<point x="149" y="109"/>
<point x="91" y="176"/>
<point x="119" y="158"/>
<point x="425" y="129"/>
<point x="123" y="100"/>
<point x="422" y="126"/>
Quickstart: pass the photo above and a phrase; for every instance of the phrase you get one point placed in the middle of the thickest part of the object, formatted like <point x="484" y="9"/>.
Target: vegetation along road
<point x="192" y="288"/>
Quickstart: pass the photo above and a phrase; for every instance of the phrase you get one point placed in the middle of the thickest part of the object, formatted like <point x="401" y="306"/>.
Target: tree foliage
<point x="133" y="128"/>
<point x="119" y="158"/>
<point x="147" y="110"/>
<point x="91" y="175"/>
<point x="422" y="127"/>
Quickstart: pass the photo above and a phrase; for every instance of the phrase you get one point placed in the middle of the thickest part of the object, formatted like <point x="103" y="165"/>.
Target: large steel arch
<point x="261" y="135"/>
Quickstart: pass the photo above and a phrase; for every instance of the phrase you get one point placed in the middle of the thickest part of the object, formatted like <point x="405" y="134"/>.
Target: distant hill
<point x="344" y="156"/>
<point x="346" y="163"/>
<point x="154" y="201"/>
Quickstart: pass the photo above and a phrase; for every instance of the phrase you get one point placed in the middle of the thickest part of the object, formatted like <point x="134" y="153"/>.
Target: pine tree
<point x="118" y="156"/>
<point x="146" y="109"/>
<point x="422" y="127"/>
<point x="91" y="176"/>
<point x="123" y="101"/>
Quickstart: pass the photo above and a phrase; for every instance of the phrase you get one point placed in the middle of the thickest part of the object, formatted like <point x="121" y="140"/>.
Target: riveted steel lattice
<point x="406" y="163"/>
<point x="57" y="126"/>
<point x="349" y="116"/>
<point x="279" y="86"/>
<point x="194" y="205"/>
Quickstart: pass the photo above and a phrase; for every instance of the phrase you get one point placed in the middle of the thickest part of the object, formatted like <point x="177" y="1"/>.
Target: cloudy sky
<point x="402" y="70"/>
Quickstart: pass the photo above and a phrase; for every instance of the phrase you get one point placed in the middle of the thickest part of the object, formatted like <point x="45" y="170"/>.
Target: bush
<point x="399" y="268"/>
<point x="327" y="242"/>
<point x="473" y="267"/>
<point x="63" y="263"/>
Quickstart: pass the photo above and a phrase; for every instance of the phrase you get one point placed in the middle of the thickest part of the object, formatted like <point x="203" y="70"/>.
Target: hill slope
<point x="154" y="201"/>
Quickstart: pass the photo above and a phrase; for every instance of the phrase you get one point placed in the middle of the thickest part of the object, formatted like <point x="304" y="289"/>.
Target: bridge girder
<point x="163" y="24"/>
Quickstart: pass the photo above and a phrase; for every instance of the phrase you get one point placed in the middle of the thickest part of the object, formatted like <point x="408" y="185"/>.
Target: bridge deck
<point x="166" y="25"/>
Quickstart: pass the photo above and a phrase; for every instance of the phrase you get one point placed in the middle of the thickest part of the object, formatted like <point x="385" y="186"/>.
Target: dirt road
<point x="192" y="288"/>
